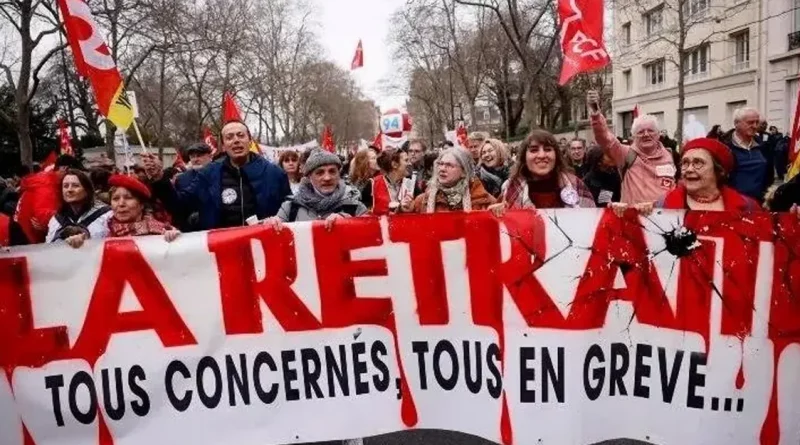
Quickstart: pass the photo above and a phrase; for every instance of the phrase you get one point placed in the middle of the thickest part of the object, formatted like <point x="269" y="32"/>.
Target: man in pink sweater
<point x="648" y="166"/>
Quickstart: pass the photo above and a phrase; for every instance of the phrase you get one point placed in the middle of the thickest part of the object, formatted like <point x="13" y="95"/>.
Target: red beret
<point x="133" y="185"/>
<point x="719" y="151"/>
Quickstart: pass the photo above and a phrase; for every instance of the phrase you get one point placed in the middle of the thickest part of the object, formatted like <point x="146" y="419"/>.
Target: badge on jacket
<point x="229" y="196"/>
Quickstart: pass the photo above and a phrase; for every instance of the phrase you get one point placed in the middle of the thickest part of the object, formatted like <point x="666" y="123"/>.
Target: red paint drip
<point x="771" y="430"/>
<point x="506" y="431"/>
<point x="26" y="436"/>
<point x="408" y="409"/>
<point x="105" y="437"/>
<point x="740" y="381"/>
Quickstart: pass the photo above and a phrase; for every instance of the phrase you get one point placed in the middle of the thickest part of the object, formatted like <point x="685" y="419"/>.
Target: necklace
<point x="707" y="200"/>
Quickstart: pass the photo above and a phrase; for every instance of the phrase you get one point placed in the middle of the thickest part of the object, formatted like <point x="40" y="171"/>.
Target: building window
<point x="741" y="50"/>
<point x="626" y="80"/>
<point x="487" y="115"/>
<point x="626" y="33"/>
<point x="695" y="64"/>
<point x="694" y="7"/>
<point x="653" y="21"/>
<point x="654" y="73"/>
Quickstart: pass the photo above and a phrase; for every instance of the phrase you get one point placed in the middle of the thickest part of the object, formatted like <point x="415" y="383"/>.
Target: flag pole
<point x="139" y="135"/>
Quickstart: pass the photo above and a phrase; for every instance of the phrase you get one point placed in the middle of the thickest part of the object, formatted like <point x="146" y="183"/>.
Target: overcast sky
<point x="342" y="23"/>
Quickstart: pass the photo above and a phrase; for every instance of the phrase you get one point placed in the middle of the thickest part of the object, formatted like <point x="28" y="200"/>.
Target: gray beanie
<point x="318" y="158"/>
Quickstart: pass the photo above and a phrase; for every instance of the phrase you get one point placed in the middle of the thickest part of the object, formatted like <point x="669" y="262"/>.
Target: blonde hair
<point x="499" y="148"/>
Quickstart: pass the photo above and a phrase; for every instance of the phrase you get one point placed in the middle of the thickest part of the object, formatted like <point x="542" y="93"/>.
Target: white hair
<point x="644" y="120"/>
<point x="740" y="113"/>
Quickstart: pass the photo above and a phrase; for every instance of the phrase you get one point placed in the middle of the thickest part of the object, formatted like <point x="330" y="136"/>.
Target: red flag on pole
<point x="636" y="111"/>
<point x="94" y="62"/>
<point x="327" y="139"/>
<point x="49" y="162"/>
<point x="358" y="58"/>
<point x="230" y="111"/>
<point x="210" y="140"/>
<point x="378" y="142"/>
<point x="461" y="134"/>
<point x="179" y="164"/>
<point x="64" y="139"/>
<point x="581" y="37"/>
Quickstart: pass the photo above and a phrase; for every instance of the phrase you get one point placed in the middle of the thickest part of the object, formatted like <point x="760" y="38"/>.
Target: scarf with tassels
<point x="456" y="196"/>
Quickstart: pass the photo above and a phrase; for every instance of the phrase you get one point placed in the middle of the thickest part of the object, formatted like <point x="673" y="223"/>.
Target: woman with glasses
<point x="540" y="178"/>
<point x="454" y="187"/>
<point x="647" y="167"/>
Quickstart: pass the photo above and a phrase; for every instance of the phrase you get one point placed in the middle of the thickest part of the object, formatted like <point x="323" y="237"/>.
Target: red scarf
<point x="380" y="196"/>
<point x="731" y="199"/>
<point x="143" y="227"/>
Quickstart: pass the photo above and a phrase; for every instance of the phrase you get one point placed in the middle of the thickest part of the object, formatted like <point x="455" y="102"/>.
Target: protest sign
<point x="556" y="327"/>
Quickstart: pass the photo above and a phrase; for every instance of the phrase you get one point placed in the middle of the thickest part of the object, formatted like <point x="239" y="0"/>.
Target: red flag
<point x="49" y="162"/>
<point x="636" y="111"/>
<point x="64" y="138"/>
<point x="230" y="111"/>
<point x="327" y="139"/>
<point x="93" y="61"/>
<point x="795" y="132"/>
<point x="461" y="134"/>
<point x="179" y="164"/>
<point x="210" y="140"/>
<point x="358" y="58"/>
<point x="378" y="142"/>
<point x="581" y="37"/>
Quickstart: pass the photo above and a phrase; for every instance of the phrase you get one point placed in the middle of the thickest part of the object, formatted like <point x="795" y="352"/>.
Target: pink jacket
<point x="649" y="178"/>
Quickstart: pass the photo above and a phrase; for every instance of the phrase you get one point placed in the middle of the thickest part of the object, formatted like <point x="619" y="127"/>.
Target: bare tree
<point x="673" y="30"/>
<point x="32" y="22"/>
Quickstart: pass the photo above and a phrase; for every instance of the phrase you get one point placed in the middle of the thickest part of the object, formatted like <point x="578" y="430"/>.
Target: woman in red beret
<point x="706" y="165"/>
<point x="129" y="199"/>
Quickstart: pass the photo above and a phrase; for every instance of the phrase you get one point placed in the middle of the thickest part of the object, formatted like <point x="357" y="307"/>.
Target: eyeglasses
<point x="697" y="164"/>
<point x="645" y="132"/>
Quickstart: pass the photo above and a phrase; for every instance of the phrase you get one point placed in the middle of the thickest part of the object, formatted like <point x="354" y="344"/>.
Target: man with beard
<point x="229" y="192"/>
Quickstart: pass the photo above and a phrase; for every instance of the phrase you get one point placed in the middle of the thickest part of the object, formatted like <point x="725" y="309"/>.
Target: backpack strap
<point x="630" y="159"/>
<point x="94" y="216"/>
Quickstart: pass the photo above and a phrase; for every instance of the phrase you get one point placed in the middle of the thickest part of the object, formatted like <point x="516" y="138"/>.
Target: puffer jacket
<point x="351" y="205"/>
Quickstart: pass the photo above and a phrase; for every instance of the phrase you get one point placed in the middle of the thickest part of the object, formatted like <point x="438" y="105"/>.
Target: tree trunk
<point x="162" y="108"/>
<point x="22" y="95"/>
<point x="681" y="72"/>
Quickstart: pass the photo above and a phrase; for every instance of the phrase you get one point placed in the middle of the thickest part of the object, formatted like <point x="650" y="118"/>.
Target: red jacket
<point x="40" y="197"/>
<point x="380" y="196"/>
<point x="733" y="200"/>
<point x="5" y="228"/>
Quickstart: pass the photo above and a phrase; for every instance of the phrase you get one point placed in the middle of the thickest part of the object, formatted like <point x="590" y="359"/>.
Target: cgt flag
<point x="581" y="37"/>
<point x="358" y="58"/>
<point x="65" y="143"/>
<point x="327" y="139"/>
<point x="93" y="61"/>
<point x="210" y="140"/>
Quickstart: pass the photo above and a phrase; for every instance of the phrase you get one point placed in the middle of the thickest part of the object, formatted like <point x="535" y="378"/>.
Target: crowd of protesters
<point x="733" y="170"/>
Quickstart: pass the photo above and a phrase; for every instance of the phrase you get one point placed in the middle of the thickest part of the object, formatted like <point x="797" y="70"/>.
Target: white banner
<point x="565" y="327"/>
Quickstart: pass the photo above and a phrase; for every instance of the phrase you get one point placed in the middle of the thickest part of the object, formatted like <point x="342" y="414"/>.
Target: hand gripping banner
<point x="556" y="327"/>
<point x="93" y="61"/>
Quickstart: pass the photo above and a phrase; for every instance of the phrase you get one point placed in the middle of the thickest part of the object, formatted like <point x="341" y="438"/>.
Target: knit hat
<point x="318" y="158"/>
<point x="719" y="151"/>
<point x="133" y="185"/>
